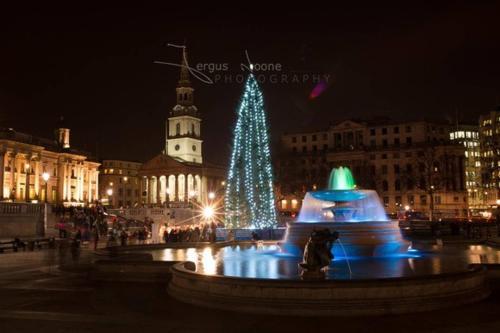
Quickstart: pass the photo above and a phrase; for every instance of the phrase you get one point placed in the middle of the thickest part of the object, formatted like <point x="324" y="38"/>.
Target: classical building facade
<point x="119" y="183"/>
<point x="180" y="174"/>
<point x="38" y="169"/>
<point x="412" y="165"/>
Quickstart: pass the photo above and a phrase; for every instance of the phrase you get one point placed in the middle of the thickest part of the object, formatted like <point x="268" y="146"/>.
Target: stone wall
<point x="21" y="220"/>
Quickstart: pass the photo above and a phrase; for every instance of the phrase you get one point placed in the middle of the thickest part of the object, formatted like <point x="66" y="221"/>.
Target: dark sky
<point x="95" y="67"/>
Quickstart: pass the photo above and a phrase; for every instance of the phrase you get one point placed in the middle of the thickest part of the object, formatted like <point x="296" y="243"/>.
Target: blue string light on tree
<point x="249" y="200"/>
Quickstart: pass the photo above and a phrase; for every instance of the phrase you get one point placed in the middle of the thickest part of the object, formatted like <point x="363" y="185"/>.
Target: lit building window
<point x="294" y="203"/>
<point x="284" y="204"/>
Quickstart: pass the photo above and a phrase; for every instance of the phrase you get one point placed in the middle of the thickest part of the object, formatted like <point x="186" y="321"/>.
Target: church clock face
<point x="194" y="148"/>
<point x="177" y="147"/>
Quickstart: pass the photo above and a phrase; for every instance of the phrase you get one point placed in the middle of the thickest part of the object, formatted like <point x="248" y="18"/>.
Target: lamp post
<point x="46" y="177"/>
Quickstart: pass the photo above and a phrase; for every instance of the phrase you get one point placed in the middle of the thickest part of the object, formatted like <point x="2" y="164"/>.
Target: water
<point x="341" y="206"/>
<point x="268" y="262"/>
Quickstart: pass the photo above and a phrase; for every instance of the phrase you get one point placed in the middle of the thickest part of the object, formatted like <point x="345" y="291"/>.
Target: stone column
<point x="27" y="185"/>
<point x="2" y="173"/>
<point x="177" y="188"/>
<point x="158" y="190"/>
<point x="89" y="185"/>
<point x="37" y="177"/>
<point x="186" y="192"/>
<point x="18" y="177"/>
<point x="12" y="174"/>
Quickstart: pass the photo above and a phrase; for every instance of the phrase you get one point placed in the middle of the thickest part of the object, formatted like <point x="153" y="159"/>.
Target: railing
<point x="13" y="208"/>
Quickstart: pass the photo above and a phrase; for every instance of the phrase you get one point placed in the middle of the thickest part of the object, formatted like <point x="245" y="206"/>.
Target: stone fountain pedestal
<point x="366" y="239"/>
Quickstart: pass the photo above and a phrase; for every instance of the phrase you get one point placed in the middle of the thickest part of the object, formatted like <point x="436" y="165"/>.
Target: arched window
<point x="177" y="129"/>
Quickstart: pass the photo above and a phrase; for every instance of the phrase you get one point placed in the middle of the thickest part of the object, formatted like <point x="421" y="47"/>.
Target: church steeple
<point x="184" y="89"/>
<point x="184" y="77"/>
<point x="183" y="127"/>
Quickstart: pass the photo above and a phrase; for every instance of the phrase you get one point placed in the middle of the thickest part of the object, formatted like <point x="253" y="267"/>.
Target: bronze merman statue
<point x="318" y="251"/>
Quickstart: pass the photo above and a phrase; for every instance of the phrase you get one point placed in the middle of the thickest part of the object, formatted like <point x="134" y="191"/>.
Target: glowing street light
<point x="211" y="195"/>
<point x="407" y="208"/>
<point x="46" y="177"/>
<point x="498" y="202"/>
<point x="208" y="212"/>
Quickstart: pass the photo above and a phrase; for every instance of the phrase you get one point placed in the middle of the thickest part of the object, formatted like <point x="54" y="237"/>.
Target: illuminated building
<point x="411" y="164"/>
<point x="468" y="136"/>
<point x="122" y="177"/>
<point x="179" y="174"/>
<point x="72" y="176"/>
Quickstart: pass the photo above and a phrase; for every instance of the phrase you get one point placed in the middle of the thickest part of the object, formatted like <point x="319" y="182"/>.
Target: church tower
<point x="183" y="127"/>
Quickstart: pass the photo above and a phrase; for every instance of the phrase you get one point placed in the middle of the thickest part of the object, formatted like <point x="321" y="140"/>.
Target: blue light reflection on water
<point x="268" y="261"/>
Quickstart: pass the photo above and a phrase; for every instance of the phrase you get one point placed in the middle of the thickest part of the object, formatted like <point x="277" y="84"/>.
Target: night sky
<point x="96" y="68"/>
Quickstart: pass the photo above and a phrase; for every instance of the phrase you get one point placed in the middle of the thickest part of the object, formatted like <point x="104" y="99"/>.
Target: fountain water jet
<point x="356" y="214"/>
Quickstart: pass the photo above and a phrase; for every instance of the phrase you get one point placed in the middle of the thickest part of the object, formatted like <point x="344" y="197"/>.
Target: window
<point x="385" y="186"/>
<point x="396" y="141"/>
<point x="396" y="169"/>
<point x="284" y="204"/>
<point x="397" y="185"/>
<point x="192" y="128"/>
<point x="399" y="201"/>
<point x="314" y="137"/>
<point x="437" y="199"/>
<point x="411" y="199"/>
<point x="304" y="138"/>
<point x="304" y="149"/>
<point x="384" y="131"/>
<point x="177" y="129"/>
<point x="384" y="142"/>
<point x="408" y="129"/>
<point x="395" y="130"/>
<point x="372" y="131"/>
<point x="177" y="147"/>
<point x="386" y="201"/>
<point x="372" y="143"/>
<point x="384" y="156"/>
<point x="384" y="169"/>
<point x="315" y="148"/>
<point x="193" y="147"/>
<point x="325" y="147"/>
<point x="294" y="139"/>
<point x="408" y="140"/>
<point x="423" y="200"/>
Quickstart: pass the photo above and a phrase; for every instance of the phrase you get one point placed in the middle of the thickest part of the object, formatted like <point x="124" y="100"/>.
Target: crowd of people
<point x="204" y="232"/>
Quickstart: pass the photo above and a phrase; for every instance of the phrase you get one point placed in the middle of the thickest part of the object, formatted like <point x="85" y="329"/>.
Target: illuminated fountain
<point x="357" y="215"/>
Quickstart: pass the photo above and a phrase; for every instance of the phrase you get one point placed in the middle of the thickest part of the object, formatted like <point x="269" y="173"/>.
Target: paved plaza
<point x="37" y="296"/>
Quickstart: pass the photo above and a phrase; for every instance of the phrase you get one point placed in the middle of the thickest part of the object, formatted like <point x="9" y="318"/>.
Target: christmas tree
<point x="249" y="200"/>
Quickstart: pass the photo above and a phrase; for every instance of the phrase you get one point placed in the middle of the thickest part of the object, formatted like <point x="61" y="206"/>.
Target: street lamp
<point x="109" y="192"/>
<point x="211" y="195"/>
<point x="46" y="177"/>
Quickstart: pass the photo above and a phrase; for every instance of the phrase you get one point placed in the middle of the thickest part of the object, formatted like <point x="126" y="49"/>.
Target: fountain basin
<point x="328" y="297"/>
<point x="365" y="239"/>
